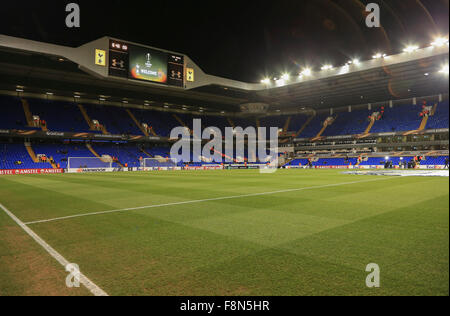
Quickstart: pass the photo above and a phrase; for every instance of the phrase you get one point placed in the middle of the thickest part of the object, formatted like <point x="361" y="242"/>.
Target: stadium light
<point x="439" y="42"/>
<point x="265" y="81"/>
<point x="19" y="90"/>
<point x="306" y="72"/>
<point x="379" y="55"/>
<point x="411" y="48"/>
<point x="327" y="67"/>
<point x="285" y="77"/>
<point x="444" y="70"/>
<point x="49" y="93"/>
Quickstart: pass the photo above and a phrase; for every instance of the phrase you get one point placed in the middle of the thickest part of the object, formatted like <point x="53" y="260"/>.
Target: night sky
<point x="242" y="40"/>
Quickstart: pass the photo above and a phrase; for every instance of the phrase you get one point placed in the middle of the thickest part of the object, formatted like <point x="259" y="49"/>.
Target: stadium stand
<point x="440" y="118"/>
<point x="67" y="117"/>
<point x="71" y="117"/>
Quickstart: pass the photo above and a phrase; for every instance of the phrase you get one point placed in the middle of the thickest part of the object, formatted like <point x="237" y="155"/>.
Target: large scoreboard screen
<point x="145" y="64"/>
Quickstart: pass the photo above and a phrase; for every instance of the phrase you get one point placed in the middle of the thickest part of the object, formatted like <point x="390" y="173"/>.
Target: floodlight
<point x="439" y="42"/>
<point x="444" y="70"/>
<point x="411" y="48"/>
<point x="306" y="72"/>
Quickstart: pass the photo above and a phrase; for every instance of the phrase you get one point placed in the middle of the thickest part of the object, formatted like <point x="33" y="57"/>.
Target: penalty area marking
<point x="205" y="200"/>
<point x="91" y="286"/>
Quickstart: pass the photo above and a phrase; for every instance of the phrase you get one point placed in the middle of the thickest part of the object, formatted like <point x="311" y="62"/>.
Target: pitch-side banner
<point x="30" y="171"/>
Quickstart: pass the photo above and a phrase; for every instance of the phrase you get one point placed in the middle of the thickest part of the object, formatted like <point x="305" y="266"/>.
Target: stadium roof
<point x="39" y="68"/>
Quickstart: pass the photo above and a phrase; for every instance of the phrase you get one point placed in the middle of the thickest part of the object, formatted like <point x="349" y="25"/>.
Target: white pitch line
<point x="202" y="201"/>
<point x="91" y="286"/>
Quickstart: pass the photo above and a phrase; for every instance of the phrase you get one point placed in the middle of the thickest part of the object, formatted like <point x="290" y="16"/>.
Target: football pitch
<point x="226" y="233"/>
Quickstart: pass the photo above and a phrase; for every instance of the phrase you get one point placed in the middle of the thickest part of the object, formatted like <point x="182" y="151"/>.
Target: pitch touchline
<point x="201" y="201"/>
<point x="91" y="286"/>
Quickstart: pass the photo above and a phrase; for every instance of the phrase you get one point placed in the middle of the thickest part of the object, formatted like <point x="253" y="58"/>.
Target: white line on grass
<point x="202" y="201"/>
<point x="91" y="286"/>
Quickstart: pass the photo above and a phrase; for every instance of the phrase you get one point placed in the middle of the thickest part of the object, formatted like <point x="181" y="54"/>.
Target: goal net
<point x="159" y="164"/>
<point x="80" y="164"/>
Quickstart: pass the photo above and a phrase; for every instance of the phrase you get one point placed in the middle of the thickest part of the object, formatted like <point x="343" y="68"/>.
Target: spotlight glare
<point x="379" y="55"/>
<point x="439" y="42"/>
<point x="265" y="81"/>
<point x="327" y="67"/>
<point x="444" y="70"/>
<point x="306" y="72"/>
<point x="411" y="48"/>
<point x="356" y="61"/>
<point x="285" y="77"/>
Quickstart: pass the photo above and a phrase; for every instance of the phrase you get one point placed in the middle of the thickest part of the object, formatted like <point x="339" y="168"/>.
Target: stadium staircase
<point x="287" y="124"/>
<point x="433" y="111"/>
<point x="231" y="122"/>
<point x="26" y="110"/>
<point x="31" y="153"/>
<point x="89" y="121"/>
<point x="34" y="158"/>
<point x="145" y="152"/>
<point x="258" y="123"/>
<point x="300" y="131"/>
<point x="137" y="122"/>
<point x="92" y="150"/>
<point x="423" y="124"/>
<point x="325" y="125"/>
<point x="153" y="132"/>
<point x="369" y="128"/>
<point x="179" y="120"/>
<point x="86" y="117"/>
<point x="104" y="130"/>
<point x="29" y="115"/>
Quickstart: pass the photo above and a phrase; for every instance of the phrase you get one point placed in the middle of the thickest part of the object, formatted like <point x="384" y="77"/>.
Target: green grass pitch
<point x="316" y="241"/>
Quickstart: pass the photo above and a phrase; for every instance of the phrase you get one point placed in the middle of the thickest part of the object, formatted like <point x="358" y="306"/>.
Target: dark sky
<point x="243" y="40"/>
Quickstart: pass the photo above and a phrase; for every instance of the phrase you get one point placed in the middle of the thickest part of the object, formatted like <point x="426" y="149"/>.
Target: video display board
<point x="145" y="64"/>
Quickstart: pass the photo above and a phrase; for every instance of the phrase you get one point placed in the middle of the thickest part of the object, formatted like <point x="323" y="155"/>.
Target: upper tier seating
<point x="67" y="117"/>
<point x="347" y="123"/>
<point x="60" y="116"/>
<point x="12" y="115"/>
<point x="440" y="118"/>
<point x="400" y="118"/>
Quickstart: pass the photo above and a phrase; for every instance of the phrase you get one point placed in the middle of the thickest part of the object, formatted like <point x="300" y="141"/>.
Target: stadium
<point x="293" y="185"/>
